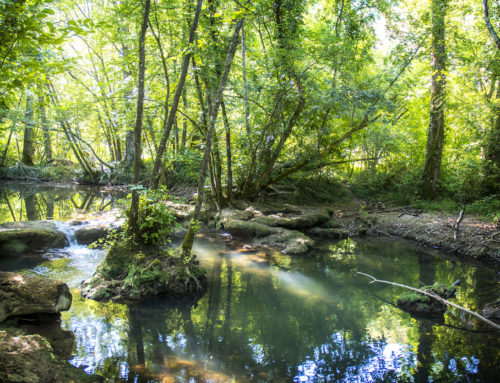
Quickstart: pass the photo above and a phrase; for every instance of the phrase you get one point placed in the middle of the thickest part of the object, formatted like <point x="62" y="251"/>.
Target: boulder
<point x="289" y="241"/>
<point x="21" y="241"/>
<point x="26" y="294"/>
<point x="296" y="222"/>
<point x="31" y="359"/>
<point x="227" y="215"/>
<point x="25" y="237"/>
<point x="247" y="229"/>
<point x="88" y="235"/>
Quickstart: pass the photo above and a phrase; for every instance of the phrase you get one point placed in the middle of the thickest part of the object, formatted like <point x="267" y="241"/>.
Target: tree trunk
<point x="28" y="148"/>
<point x="155" y="175"/>
<point x="227" y="128"/>
<point x="45" y="129"/>
<point x="133" y="225"/>
<point x="493" y="33"/>
<point x="245" y="85"/>
<point x="26" y="294"/>
<point x="434" y="149"/>
<point x="187" y="244"/>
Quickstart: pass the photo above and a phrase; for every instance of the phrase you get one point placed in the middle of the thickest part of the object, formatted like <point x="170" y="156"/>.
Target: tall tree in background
<point x="435" y="138"/>
<point x="492" y="178"/>
<point x="134" y="206"/>
<point x="28" y="148"/>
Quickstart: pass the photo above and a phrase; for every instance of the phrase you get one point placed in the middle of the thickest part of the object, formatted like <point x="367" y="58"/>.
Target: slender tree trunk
<point x="45" y="129"/>
<point x="491" y="182"/>
<point x="187" y="244"/>
<point x="227" y="128"/>
<point x="133" y="225"/>
<point x="155" y="176"/>
<point x="435" y="138"/>
<point x="245" y="85"/>
<point x="184" y="121"/>
<point x="28" y="148"/>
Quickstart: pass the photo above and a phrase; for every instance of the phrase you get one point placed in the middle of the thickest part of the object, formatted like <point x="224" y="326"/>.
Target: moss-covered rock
<point x="298" y="222"/>
<point x="128" y="275"/>
<point x="25" y="237"/>
<point x="248" y="229"/>
<point x="422" y="304"/>
<point x="31" y="359"/>
<point x="289" y="241"/>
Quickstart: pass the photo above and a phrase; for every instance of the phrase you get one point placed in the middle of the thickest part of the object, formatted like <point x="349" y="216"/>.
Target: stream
<point x="267" y="316"/>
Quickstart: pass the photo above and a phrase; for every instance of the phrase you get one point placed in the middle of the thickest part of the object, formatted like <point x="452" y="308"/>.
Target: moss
<point x="129" y="275"/>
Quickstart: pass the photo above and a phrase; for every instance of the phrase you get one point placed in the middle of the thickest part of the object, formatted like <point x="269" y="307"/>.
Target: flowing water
<point x="271" y="317"/>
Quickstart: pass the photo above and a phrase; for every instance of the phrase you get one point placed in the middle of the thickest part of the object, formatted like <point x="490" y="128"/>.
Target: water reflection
<point x="269" y="316"/>
<point x="31" y="202"/>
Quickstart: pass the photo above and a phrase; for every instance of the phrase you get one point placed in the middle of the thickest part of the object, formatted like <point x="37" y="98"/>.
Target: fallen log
<point x="436" y="297"/>
<point x="26" y="295"/>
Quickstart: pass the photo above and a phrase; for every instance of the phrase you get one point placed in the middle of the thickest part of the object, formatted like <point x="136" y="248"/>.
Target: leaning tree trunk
<point x="28" y="149"/>
<point x="26" y="294"/>
<point x="435" y="138"/>
<point x="187" y="244"/>
<point x="133" y="225"/>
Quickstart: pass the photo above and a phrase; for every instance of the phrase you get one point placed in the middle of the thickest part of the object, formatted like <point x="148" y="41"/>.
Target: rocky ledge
<point x="30" y="236"/>
<point x="290" y="230"/>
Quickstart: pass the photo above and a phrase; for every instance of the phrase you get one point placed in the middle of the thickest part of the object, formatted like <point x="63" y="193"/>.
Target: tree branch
<point x="436" y="297"/>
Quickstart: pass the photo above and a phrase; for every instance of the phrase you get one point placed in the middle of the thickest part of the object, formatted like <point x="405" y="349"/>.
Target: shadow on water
<point x="268" y="316"/>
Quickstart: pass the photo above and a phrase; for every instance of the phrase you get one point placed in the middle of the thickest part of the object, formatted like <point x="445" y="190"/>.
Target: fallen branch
<point x="436" y="297"/>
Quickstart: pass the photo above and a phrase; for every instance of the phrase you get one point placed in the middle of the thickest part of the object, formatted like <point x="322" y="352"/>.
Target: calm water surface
<point x="270" y="317"/>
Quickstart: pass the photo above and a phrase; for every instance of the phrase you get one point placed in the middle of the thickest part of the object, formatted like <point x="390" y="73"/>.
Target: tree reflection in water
<point x="272" y="317"/>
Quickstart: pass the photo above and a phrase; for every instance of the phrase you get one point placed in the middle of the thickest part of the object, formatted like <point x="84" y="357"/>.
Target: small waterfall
<point x="68" y="230"/>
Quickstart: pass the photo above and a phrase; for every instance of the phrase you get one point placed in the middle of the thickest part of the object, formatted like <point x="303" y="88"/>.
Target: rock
<point x="88" y="235"/>
<point x="247" y="229"/>
<point x="290" y="241"/>
<point x="492" y="310"/>
<point x="26" y="294"/>
<point x="127" y="275"/>
<point x="232" y="214"/>
<point x="25" y="237"/>
<point x="328" y="233"/>
<point x="298" y="222"/>
<point x="31" y="359"/>
<point x="422" y="304"/>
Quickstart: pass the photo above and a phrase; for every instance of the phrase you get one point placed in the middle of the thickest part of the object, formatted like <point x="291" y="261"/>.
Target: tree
<point x="133" y="228"/>
<point x="435" y="137"/>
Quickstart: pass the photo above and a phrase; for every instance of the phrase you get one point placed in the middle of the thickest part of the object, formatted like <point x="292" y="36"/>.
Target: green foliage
<point x="155" y="220"/>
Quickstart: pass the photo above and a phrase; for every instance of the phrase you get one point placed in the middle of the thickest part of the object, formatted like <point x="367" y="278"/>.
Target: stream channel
<point x="267" y="316"/>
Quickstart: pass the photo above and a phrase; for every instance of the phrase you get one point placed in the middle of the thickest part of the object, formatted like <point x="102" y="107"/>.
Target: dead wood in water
<point x="436" y="297"/>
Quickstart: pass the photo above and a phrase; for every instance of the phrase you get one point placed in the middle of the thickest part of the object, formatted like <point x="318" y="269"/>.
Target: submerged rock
<point x="422" y="304"/>
<point x="128" y="275"/>
<point x="25" y="237"/>
<point x="26" y="294"/>
<point x="289" y="241"/>
<point x="31" y="359"/>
